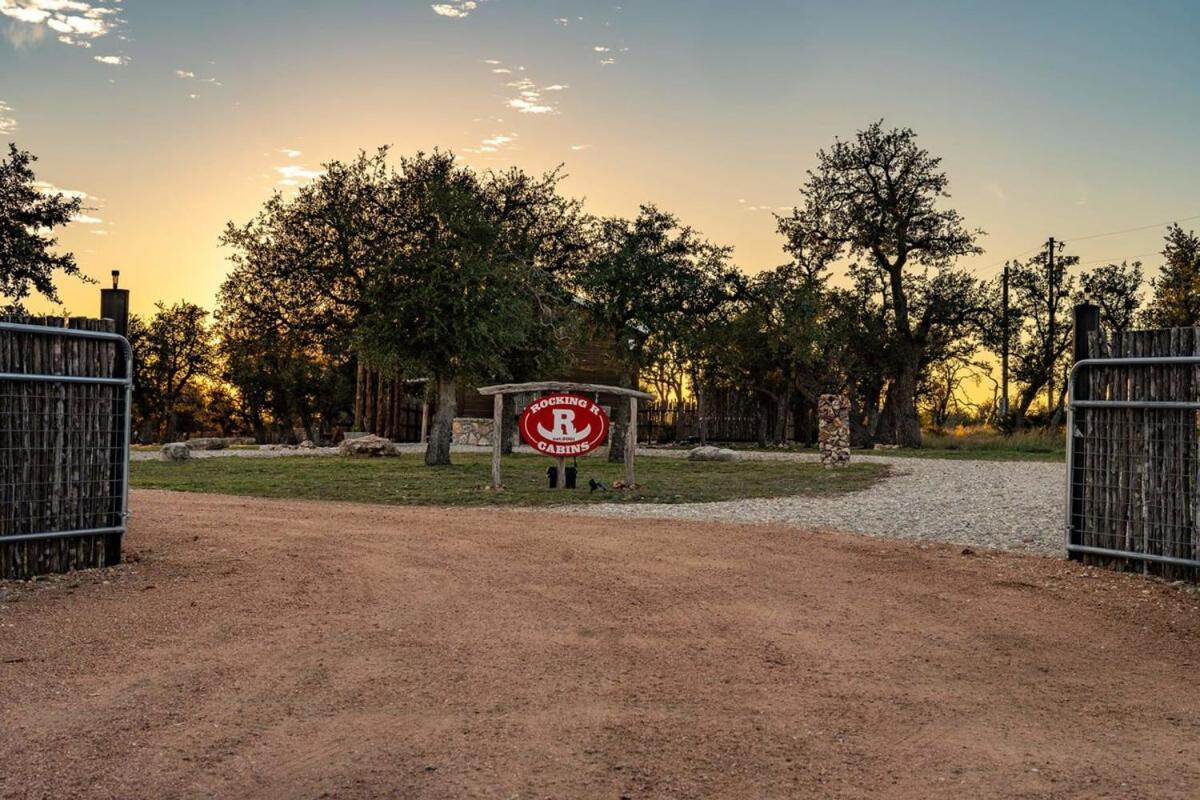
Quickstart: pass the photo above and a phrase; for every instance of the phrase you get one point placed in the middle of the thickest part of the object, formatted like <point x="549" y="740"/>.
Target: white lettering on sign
<point x="564" y="425"/>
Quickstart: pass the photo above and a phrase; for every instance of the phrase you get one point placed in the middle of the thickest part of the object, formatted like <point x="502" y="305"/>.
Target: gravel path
<point x="1008" y="505"/>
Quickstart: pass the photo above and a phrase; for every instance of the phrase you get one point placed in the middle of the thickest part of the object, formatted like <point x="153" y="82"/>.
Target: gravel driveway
<point x="1009" y="505"/>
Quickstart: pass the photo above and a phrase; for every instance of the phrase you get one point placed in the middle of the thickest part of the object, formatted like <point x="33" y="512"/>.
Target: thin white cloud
<point x="47" y="188"/>
<point x="529" y="99"/>
<point x="114" y="61"/>
<point x="77" y="22"/>
<point x="578" y="147"/>
<point x="290" y="153"/>
<point x="98" y="233"/>
<point x="190" y="75"/>
<point x="528" y="107"/>
<point x="493" y="143"/>
<point x="562" y="21"/>
<point x="8" y="124"/>
<point x="293" y="174"/>
<point x="456" y="9"/>
<point x="50" y="190"/>
<point x="601" y="48"/>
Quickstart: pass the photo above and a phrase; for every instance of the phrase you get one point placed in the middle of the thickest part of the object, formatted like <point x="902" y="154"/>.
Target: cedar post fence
<point x="1133" y="448"/>
<point x="64" y="444"/>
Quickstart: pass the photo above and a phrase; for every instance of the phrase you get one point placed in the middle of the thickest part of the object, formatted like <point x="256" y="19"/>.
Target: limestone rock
<point x="368" y="446"/>
<point x="206" y="443"/>
<point x="711" y="453"/>
<point x="176" y="451"/>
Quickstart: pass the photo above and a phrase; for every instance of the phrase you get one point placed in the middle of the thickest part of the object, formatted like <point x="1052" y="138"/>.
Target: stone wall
<point x="472" y="430"/>
<point x="833" y="431"/>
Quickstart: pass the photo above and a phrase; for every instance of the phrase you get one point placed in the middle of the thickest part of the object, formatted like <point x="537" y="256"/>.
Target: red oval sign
<point x="564" y="425"/>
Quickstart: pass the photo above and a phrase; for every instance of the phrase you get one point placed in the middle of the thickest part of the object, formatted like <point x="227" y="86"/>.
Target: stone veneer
<point x="833" y="429"/>
<point x="472" y="430"/>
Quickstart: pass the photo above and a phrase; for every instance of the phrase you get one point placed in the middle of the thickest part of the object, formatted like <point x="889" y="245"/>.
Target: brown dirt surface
<point x="268" y="648"/>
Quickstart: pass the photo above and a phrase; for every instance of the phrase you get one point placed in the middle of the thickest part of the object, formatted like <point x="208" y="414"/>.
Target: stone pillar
<point x="833" y="431"/>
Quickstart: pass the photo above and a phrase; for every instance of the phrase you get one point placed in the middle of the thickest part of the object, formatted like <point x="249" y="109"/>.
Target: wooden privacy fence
<point x="64" y="445"/>
<point x="1133" y="449"/>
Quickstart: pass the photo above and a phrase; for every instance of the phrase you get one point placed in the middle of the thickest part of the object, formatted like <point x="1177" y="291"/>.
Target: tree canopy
<point x="28" y="218"/>
<point x="877" y="198"/>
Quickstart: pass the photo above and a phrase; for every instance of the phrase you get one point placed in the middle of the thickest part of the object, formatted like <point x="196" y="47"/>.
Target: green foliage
<point x="173" y="352"/>
<point x="1117" y="290"/>
<point x="1175" y="293"/>
<point x="28" y="218"/>
<point x="651" y="283"/>
<point x="470" y="286"/>
<point x="876" y="198"/>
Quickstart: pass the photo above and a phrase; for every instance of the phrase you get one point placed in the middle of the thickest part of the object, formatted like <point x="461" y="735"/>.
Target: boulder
<point x="206" y="443"/>
<point x="710" y="453"/>
<point x="368" y="446"/>
<point x="176" y="451"/>
<point x="308" y="444"/>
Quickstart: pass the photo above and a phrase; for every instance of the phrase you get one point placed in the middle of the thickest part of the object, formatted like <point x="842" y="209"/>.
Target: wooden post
<point x="631" y="442"/>
<point x="497" y="433"/>
<point x="562" y="472"/>
<point x="1087" y="321"/>
<point x="424" y="419"/>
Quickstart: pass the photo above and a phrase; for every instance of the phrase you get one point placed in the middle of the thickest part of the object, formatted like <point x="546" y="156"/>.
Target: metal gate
<point x="1133" y="453"/>
<point x="65" y="396"/>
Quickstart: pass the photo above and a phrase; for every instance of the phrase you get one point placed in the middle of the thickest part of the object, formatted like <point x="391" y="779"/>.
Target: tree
<point x="1175" y="293"/>
<point x="1117" y="290"/>
<point x="283" y="377"/>
<point x="28" y="217"/>
<point x="646" y="281"/>
<point x="471" y="286"/>
<point x="172" y="351"/>
<point x="774" y="345"/>
<point x="306" y="262"/>
<point x="1037" y="349"/>
<point x="876" y="198"/>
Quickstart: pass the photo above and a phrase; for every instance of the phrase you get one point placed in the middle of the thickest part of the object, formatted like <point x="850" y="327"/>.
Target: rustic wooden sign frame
<point x="498" y="391"/>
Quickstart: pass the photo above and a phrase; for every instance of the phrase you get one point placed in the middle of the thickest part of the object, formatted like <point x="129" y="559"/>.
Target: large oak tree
<point x="877" y="197"/>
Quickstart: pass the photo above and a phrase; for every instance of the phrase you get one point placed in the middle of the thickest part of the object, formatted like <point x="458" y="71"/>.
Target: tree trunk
<point x="620" y="420"/>
<point x="781" y="417"/>
<point x="762" y="422"/>
<point x="701" y="424"/>
<point x="908" y="421"/>
<point x="885" y="426"/>
<point x="441" y="430"/>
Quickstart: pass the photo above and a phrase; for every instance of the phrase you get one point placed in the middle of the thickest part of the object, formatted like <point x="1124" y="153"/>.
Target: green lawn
<point x="405" y="480"/>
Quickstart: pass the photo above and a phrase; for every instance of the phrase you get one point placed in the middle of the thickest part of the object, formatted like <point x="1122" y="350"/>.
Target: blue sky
<point x="1064" y="119"/>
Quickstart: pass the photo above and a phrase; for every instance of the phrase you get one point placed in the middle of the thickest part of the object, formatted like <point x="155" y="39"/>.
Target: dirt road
<point x="265" y="648"/>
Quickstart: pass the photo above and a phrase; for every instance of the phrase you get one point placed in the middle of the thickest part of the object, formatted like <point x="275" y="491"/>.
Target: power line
<point x="1176" y="221"/>
<point x="1116" y="260"/>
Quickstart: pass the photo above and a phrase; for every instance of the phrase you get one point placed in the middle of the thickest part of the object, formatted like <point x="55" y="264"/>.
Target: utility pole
<point x="1052" y="301"/>
<point x="1004" y="346"/>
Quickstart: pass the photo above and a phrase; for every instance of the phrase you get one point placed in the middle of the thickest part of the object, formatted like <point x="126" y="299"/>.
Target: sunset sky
<point x="174" y="116"/>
